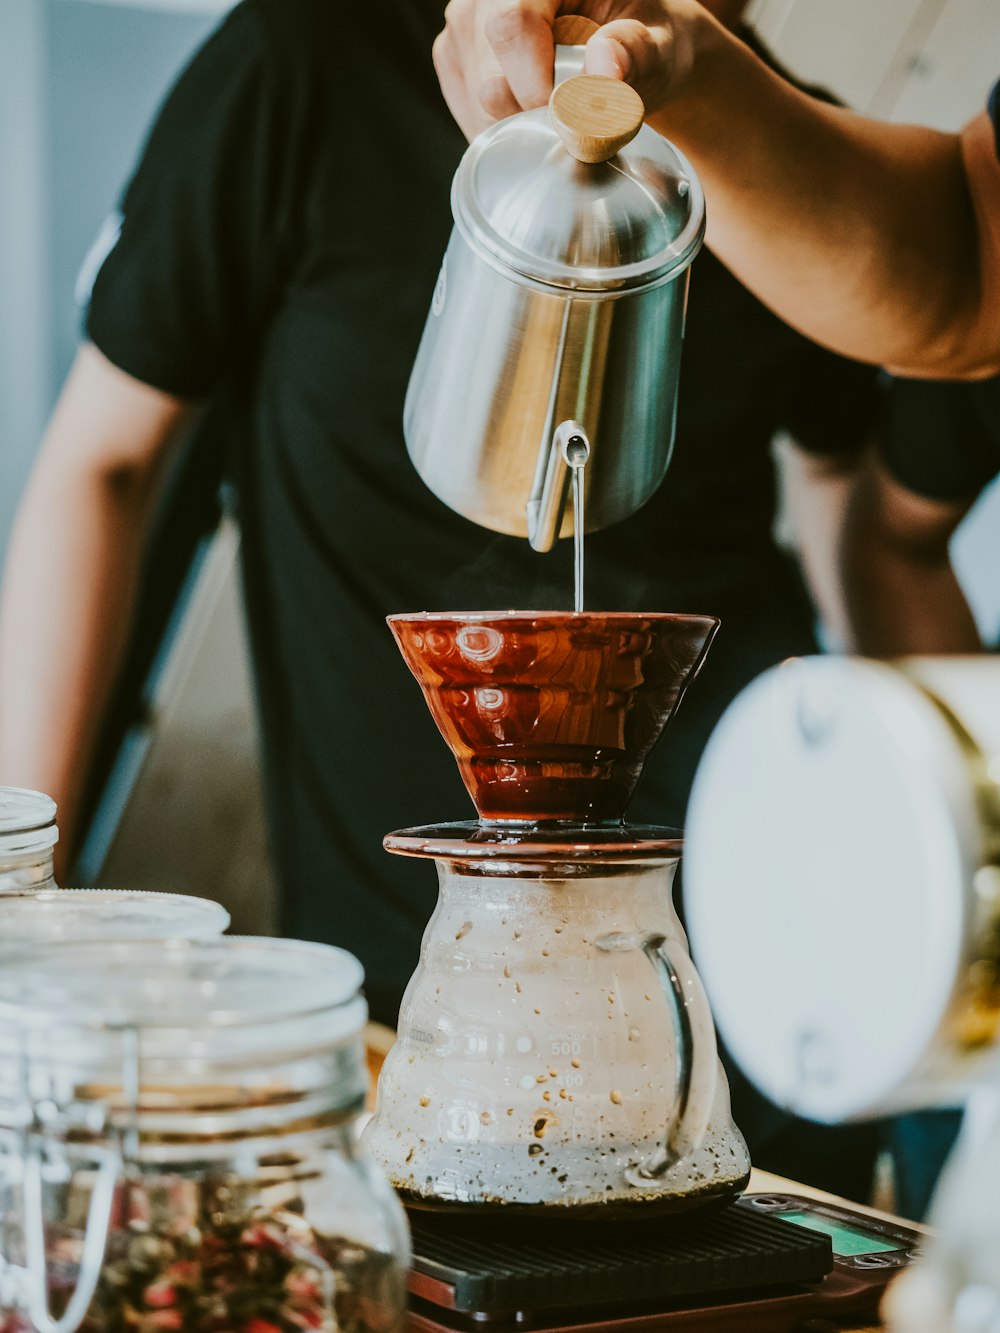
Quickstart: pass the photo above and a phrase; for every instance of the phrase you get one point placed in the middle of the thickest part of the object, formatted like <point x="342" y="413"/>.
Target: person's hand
<point x="495" y="57"/>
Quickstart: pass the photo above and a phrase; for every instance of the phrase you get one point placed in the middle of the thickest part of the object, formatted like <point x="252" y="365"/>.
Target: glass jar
<point x="50" y="916"/>
<point x="28" y="834"/>
<point x="180" y="1148"/>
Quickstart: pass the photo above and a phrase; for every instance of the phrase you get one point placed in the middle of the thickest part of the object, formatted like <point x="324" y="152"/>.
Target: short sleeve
<point x="831" y="404"/>
<point x="993" y="110"/>
<point x="179" y="297"/>
<point x="942" y="439"/>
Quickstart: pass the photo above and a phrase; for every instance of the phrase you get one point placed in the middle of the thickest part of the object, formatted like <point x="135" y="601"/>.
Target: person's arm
<point x="901" y="593"/>
<point x="71" y="576"/>
<point x="816" y="489"/>
<point x="881" y="241"/>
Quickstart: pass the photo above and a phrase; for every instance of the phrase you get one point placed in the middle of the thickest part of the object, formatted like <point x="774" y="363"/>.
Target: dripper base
<point x="559" y="842"/>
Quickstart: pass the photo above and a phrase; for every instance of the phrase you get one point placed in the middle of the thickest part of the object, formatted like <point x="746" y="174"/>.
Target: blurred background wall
<point x="79" y="82"/>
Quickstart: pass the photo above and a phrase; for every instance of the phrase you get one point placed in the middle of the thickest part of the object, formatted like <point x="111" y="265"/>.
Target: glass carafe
<point x="28" y="834"/>
<point x="179" y="1145"/>
<point x="555" y="1045"/>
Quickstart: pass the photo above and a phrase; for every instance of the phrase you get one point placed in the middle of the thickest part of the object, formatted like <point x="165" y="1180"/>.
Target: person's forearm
<point x="71" y="576"/>
<point x="843" y="225"/>
<point x="908" y="610"/>
<point x="900" y="591"/>
<point x="68" y="594"/>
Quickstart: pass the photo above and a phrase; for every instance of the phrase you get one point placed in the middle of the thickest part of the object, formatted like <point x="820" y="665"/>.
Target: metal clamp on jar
<point x="179" y="1140"/>
<point x="560" y="303"/>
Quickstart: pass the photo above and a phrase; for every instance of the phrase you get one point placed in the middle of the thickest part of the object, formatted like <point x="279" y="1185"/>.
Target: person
<point x="937" y="450"/>
<point x="889" y="250"/>
<point x="881" y="241"/>
<point x="275" y="260"/>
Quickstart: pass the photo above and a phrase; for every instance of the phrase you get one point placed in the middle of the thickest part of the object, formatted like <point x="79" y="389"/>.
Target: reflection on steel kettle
<point x="560" y="299"/>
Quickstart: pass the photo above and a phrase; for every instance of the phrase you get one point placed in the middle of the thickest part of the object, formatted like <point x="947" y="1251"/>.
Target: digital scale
<point x="769" y="1263"/>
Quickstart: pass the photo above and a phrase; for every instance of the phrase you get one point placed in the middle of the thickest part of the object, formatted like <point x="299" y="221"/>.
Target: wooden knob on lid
<point x="595" y="116"/>
<point x="573" y="30"/>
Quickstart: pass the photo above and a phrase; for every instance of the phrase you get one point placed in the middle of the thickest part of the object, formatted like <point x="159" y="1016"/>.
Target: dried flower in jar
<point x="199" y="1257"/>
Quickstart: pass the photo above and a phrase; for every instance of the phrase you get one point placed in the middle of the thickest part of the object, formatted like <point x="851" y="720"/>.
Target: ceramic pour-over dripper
<point x="551" y="715"/>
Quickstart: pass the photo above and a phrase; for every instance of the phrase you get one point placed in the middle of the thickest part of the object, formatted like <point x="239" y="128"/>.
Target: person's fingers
<point x="485" y="75"/>
<point x="464" y="59"/>
<point x="495" y="57"/>
<point x="649" y="57"/>
<point x="473" y="82"/>
<point x="496" y="98"/>
<point x="520" y="35"/>
<point x="466" y="109"/>
<point x="607" y="55"/>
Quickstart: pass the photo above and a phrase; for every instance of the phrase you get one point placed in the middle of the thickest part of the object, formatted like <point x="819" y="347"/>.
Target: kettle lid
<point x="526" y="204"/>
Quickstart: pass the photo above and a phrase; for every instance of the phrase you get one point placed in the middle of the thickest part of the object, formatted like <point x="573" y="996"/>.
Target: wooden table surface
<point x="379" y="1039"/>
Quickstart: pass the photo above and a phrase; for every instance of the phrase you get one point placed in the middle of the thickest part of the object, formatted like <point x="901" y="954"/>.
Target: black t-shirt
<point x="941" y="439"/>
<point x="278" y="251"/>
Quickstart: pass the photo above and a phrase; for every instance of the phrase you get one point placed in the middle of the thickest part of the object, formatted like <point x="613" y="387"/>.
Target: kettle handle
<point x="695" y="1052"/>
<point x="573" y="29"/>
<point x="570" y="32"/>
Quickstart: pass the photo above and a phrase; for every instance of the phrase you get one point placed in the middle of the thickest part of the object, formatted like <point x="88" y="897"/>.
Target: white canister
<point x="842" y="881"/>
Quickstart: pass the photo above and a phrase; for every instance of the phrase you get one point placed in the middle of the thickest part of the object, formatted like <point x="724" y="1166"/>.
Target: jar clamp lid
<point x="50" y="916"/>
<point x="239" y="1034"/>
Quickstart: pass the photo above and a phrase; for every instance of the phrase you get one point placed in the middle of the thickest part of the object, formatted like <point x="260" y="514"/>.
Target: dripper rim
<point x="477" y="617"/>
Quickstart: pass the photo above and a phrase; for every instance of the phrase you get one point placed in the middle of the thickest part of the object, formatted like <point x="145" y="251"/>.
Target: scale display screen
<point x="846" y="1240"/>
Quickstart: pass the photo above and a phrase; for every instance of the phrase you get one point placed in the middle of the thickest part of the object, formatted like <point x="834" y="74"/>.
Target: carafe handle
<point x="695" y="1051"/>
<point x="94" y="1242"/>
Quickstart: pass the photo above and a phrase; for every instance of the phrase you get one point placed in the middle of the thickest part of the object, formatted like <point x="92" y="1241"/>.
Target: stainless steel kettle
<point x="560" y="303"/>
